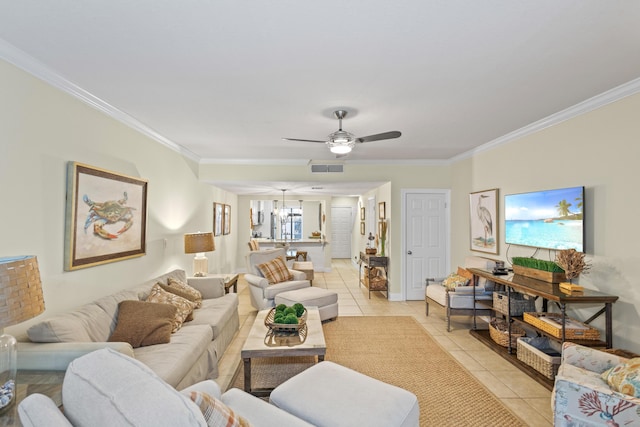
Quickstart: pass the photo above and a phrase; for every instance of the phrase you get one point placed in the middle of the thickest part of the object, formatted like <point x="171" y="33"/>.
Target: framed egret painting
<point x="483" y="221"/>
<point x="106" y="216"/>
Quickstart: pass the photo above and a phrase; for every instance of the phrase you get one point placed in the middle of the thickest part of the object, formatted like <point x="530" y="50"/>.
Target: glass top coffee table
<point x="262" y="342"/>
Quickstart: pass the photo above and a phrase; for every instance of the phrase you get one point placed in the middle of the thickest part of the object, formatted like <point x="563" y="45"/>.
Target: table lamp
<point x="199" y="243"/>
<point x="20" y="299"/>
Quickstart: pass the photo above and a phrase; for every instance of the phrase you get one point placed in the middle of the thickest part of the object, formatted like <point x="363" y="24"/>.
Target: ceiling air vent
<point x="327" y="168"/>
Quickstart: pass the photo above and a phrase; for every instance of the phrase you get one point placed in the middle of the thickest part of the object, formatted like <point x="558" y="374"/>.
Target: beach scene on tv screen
<point x="546" y="219"/>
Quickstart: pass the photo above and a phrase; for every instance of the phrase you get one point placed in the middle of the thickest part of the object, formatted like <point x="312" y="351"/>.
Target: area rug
<point x="398" y="351"/>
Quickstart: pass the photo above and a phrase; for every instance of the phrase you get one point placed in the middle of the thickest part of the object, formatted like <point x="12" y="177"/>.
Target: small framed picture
<point x="362" y="214"/>
<point x="227" y="220"/>
<point x="362" y="227"/>
<point x="483" y="216"/>
<point x="382" y="214"/>
<point x="217" y="218"/>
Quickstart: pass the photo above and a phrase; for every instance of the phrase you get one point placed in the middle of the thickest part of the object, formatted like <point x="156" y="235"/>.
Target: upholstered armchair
<point x="581" y="397"/>
<point x="460" y="300"/>
<point x="262" y="293"/>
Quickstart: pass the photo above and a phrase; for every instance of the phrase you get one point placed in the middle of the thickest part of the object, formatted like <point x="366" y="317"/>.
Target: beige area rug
<point x="397" y="350"/>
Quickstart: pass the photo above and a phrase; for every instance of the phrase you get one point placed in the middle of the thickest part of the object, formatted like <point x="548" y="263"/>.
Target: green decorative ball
<point x="290" y="310"/>
<point x="299" y="308"/>
<point x="280" y="307"/>
<point x="290" y="319"/>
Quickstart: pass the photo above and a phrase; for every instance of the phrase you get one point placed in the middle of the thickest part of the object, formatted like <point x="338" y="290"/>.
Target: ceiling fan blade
<point x="339" y="156"/>
<point x="379" y="136"/>
<point x="304" y="140"/>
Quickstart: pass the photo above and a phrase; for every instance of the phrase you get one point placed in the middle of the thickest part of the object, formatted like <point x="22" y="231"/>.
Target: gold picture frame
<point x="362" y="227"/>
<point x="362" y="214"/>
<point x="106" y="217"/>
<point x="382" y="212"/>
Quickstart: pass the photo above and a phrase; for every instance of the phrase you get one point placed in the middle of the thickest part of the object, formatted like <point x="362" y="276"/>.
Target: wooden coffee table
<point x="260" y="344"/>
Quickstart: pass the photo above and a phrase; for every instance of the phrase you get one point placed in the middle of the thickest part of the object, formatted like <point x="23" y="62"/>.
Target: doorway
<point x="426" y="238"/>
<point x="341" y="227"/>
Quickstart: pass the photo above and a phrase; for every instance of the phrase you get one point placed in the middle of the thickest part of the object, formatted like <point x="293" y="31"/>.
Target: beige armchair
<point x="261" y="292"/>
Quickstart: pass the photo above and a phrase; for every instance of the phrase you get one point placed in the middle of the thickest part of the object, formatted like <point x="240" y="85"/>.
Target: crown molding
<point x="27" y="63"/>
<point x="617" y="93"/>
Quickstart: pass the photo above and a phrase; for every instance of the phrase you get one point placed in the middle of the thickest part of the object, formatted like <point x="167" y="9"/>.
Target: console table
<point x="374" y="261"/>
<point x="549" y="292"/>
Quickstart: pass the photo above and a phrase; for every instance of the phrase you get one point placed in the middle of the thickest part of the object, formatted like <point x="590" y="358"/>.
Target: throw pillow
<point x="143" y="323"/>
<point x="215" y="412"/>
<point x="176" y="291"/>
<point x="275" y="271"/>
<point x="454" y="280"/>
<point x="625" y="377"/>
<point x="184" y="306"/>
<point x="194" y="295"/>
<point x="464" y="273"/>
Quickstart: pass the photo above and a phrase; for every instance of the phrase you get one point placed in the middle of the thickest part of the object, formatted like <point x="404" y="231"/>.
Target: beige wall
<point x="599" y="150"/>
<point x="41" y="130"/>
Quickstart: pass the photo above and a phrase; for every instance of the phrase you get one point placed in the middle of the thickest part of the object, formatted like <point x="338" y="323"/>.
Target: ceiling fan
<point x="342" y="142"/>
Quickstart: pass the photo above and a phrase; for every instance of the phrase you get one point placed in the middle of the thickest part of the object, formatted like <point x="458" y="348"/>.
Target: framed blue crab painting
<point x="106" y="217"/>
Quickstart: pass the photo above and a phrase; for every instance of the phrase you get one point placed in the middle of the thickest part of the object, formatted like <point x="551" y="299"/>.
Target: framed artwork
<point x="362" y="216"/>
<point x="380" y="229"/>
<point x="483" y="221"/>
<point x="227" y="220"/>
<point x="217" y="218"/>
<point x="382" y="214"/>
<point x="106" y="217"/>
<point x="362" y="227"/>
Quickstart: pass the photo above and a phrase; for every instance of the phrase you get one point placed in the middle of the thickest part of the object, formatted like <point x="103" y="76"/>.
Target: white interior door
<point x="341" y="228"/>
<point x="426" y="239"/>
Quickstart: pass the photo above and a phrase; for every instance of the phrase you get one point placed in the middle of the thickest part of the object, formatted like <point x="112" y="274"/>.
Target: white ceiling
<point x="224" y="81"/>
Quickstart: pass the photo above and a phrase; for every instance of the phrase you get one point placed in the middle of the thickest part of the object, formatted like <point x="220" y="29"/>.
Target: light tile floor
<point x="515" y="389"/>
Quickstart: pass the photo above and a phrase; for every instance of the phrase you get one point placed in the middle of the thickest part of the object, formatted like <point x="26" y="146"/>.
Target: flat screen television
<point x="551" y="219"/>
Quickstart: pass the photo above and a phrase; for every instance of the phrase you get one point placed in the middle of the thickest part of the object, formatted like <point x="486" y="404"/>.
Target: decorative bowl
<point x="269" y="323"/>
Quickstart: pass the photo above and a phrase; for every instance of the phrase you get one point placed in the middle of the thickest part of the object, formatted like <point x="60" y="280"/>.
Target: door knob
<point x="409" y="252"/>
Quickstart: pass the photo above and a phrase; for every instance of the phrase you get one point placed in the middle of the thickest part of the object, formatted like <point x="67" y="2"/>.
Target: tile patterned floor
<point x="514" y="388"/>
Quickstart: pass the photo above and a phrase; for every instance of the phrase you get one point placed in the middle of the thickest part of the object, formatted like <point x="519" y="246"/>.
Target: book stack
<point x="570" y="288"/>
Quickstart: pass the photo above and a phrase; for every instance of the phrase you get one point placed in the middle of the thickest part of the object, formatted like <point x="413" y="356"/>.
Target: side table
<point x="29" y="382"/>
<point x="229" y="279"/>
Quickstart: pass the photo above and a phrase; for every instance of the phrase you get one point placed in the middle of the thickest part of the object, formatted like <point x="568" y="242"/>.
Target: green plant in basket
<point x="288" y="315"/>
<point x="538" y="264"/>
<point x="299" y="308"/>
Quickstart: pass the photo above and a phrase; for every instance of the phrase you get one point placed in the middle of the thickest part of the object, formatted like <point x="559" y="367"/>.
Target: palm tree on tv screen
<point x="563" y="208"/>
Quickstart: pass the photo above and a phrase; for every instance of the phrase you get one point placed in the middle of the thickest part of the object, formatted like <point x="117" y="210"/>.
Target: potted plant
<point x="540" y="269"/>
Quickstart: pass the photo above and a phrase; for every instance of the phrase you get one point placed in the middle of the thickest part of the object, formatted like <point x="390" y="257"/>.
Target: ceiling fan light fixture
<point x="340" y="148"/>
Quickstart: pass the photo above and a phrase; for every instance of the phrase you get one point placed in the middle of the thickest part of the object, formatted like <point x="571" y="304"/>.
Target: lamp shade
<point x="198" y="242"/>
<point x="20" y="290"/>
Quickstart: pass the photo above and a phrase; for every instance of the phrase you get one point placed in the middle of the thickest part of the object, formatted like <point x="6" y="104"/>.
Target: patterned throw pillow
<point x="184" y="306"/>
<point x="142" y="323"/>
<point x="215" y="412"/>
<point x="465" y="273"/>
<point x="275" y="271"/>
<point x="194" y="295"/>
<point x="624" y="378"/>
<point x="454" y="280"/>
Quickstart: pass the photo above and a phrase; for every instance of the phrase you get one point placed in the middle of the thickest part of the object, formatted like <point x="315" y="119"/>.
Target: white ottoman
<point x="325" y="300"/>
<point x="330" y="395"/>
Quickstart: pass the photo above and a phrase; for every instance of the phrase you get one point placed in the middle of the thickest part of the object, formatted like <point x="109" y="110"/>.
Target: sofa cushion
<point x="464" y="273"/>
<point x="260" y="412"/>
<point x="91" y="322"/>
<point x="625" y="377"/>
<point x="144" y="289"/>
<point x="107" y="388"/>
<point x="172" y="361"/>
<point x="275" y="271"/>
<point x="216" y="313"/>
<point x="183" y="305"/>
<point x="143" y="323"/>
<point x="216" y="413"/>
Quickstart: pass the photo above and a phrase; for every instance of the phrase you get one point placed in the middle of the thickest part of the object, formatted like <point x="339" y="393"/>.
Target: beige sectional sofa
<point x="191" y="355"/>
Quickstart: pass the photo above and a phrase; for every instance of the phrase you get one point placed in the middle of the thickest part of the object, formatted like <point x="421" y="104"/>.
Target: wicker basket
<point x="574" y="330"/>
<point x="519" y="303"/>
<point x="499" y="332"/>
<point x="541" y="353"/>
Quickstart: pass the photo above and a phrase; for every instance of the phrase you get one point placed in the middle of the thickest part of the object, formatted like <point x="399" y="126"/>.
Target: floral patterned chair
<point x="582" y="398"/>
